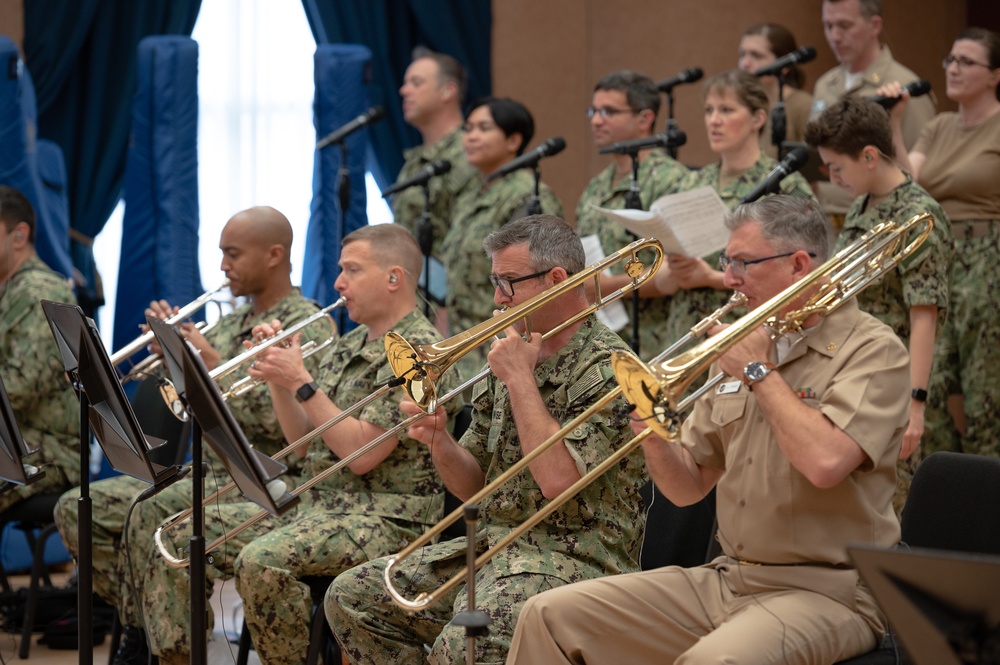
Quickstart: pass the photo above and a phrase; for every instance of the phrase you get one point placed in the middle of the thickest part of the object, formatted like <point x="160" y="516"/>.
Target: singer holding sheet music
<point x="623" y="107"/>
<point x="736" y="108"/>
<point x="496" y="132"/>
<point x="42" y="399"/>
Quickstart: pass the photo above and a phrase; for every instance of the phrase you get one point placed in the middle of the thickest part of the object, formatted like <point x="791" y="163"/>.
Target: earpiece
<point x="393" y="279"/>
<point x="19" y="236"/>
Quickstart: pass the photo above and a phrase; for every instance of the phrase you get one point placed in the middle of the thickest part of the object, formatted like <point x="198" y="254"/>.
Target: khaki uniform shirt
<point x="855" y="371"/>
<point x="658" y="175"/>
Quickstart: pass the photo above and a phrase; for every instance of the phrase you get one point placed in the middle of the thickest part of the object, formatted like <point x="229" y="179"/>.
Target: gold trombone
<point x="419" y="368"/>
<point x="655" y="393"/>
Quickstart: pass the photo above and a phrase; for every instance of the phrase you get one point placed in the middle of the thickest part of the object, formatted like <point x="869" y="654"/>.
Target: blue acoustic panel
<point x="159" y="257"/>
<point x="342" y="75"/>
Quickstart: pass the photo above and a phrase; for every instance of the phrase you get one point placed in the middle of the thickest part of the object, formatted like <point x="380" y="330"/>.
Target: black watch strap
<point x="306" y="391"/>
<point x="919" y="394"/>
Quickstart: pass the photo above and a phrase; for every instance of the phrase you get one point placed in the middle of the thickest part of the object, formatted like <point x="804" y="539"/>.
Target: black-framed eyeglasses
<point x="607" y="112"/>
<point x="506" y="284"/>
<point x="739" y="266"/>
<point x="962" y="62"/>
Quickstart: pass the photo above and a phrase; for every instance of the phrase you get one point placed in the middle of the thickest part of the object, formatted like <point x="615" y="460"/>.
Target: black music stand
<point x="13" y="448"/>
<point x="105" y="409"/>
<point x="250" y="469"/>
<point x="943" y="605"/>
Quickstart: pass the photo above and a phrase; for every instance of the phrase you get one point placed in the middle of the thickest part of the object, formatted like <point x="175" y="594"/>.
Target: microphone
<point x="425" y="173"/>
<point x="338" y="135"/>
<point x="915" y="88"/>
<point x="675" y="138"/>
<point x="796" y="57"/>
<point x="553" y="146"/>
<point x="687" y="76"/>
<point x="769" y="185"/>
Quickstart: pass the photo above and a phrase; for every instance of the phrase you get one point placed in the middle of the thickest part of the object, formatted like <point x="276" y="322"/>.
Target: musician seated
<point x="801" y="440"/>
<point x="42" y="400"/>
<point x="256" y="248"/>
<point x="384" y="499"/>
<point x="535" y="388"/>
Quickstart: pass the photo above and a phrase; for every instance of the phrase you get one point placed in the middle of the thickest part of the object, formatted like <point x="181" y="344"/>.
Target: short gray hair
<point x="790" y="223"/>
<point x="551" y="242"/>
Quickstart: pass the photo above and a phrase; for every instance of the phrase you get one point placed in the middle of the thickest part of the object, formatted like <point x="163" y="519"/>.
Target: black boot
<point x="132" y="650"/>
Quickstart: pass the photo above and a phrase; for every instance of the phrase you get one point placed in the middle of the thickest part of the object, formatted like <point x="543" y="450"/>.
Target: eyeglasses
<point x="607" y="112"/>
<point x="739" y="266"/>
<point x="962" y="62"/>
<point x="506" y="285"/>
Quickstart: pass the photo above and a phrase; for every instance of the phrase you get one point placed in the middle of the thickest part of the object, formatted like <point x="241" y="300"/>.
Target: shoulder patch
<point x="586" y="383"/>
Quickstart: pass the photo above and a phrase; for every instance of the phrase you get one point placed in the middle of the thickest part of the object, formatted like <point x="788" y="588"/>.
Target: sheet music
<point x="613" y="315"/>
<point x="688" y="223"/>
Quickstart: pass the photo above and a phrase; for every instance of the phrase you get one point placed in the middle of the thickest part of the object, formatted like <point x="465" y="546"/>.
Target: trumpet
<point x="655" y="393"/>
<point x="124" y="354"/>
<point x="419" y="368"/>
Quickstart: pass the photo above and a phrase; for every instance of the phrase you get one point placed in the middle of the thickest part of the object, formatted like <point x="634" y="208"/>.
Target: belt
<point x="973" y="228"/>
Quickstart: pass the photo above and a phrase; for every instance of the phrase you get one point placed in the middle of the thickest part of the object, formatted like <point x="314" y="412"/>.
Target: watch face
<point x="755" y="371"/>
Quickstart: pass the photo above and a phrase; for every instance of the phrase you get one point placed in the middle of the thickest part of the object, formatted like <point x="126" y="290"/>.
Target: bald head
<point x="262" y="226"/>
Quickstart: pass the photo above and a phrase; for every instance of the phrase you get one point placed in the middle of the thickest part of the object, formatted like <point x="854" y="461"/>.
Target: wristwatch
<point x="306" y="391"/>
<point x="755" y="372"/>
<point x="919" y="394"/>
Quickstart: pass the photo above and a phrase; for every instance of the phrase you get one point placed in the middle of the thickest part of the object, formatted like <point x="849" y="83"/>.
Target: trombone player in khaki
<point x="256" y="245"/>
<point x="535" y="386"/>
<point x="376" y="505"/>
<point x="801" y="440"/>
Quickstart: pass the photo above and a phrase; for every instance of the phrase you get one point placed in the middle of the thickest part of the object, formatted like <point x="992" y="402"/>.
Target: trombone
<point x="147" y="364"/>
<point x="654" y="393"/>
<point x="419" y="368"/>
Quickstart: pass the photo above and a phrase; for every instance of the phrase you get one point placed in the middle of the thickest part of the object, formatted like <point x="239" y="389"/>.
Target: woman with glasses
<point x="736" y="109"/>
<point x="761" y="45"/>
<point x="957" y="160"/>
<point x="495" y="132"/>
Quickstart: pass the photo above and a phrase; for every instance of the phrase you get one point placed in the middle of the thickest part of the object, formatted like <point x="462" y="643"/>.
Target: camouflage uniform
<point x="921" y="280"/>
<point x="689" y="306"/>
<point x="350" y="371"/>
<point x="658" y="175"/>
<point x="113" y="497"/>
<point x="45" y="407"/>
<point x="479" y="212"/>
<point x="445" y="190"/>
<point x="597" y="533"/>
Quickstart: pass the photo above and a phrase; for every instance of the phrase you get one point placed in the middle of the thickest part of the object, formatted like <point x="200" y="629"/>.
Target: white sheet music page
<point x="613" y="315"/>
<point x="688" y="223"/>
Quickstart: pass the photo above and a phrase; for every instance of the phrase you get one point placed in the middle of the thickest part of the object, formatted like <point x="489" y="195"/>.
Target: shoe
<point x="132" y="650"/>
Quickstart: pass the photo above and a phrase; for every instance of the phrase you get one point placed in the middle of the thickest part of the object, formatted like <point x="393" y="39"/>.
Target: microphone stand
<point x="778" y="120"/>
<point x="534" y="206"/>
<point x="85" y="555"/>
<point x="199" y="613"/>
<point x="344" y="194"/>
<point x="633" y="201"/>
<point x="476" y="622"/>
<point x="671" y="129"/>
<point x="425" y="237"/>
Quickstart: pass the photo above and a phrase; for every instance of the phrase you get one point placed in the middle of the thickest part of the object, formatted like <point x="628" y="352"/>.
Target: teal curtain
<point x="391" y="29"/>
<point x="82" y="56"/>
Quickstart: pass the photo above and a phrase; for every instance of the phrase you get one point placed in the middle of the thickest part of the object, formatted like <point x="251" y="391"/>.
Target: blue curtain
<point x="82" y="55"/>
<point x="391" y="29"/>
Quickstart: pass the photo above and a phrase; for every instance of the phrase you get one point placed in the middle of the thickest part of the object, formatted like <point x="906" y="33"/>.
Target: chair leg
<point x="116" y="637"/>
<point x="38" y="572"/>
<point x="243" y="653"/>
<point x="318" y="635"/>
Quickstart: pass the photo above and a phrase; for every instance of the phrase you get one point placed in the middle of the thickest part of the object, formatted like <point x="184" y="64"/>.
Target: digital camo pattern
<point x="445" y="190"/>
<point x="45" y="407"/>
<point x="689" y="306"/>
<point x="596" y="533"/>
<point x="340" y="522"/>
<point x="112" y="497"/>
<point x="658" y="175"/>
<point x="478" y="213"/>
<point x="920" y="280"/>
